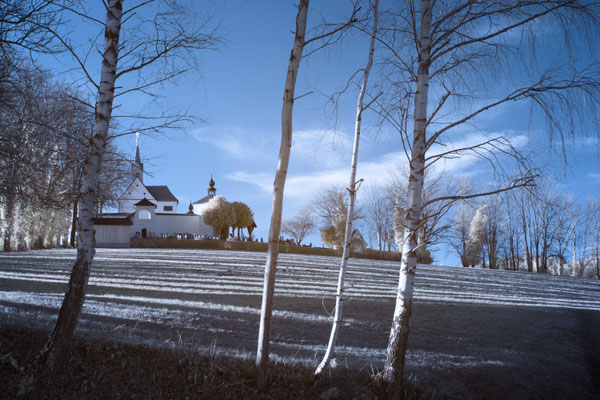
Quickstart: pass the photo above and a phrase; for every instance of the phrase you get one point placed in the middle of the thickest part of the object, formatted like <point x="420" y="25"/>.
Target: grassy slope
<point x="473" y="333"/>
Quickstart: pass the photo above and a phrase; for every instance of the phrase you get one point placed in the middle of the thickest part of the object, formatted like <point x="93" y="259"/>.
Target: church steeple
<point x="212" y="190"/>
<point x="137" y="149"/>
<point x="137" y="168"/>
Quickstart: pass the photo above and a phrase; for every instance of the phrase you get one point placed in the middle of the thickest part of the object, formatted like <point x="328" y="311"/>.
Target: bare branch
<point x="524" y="181"/>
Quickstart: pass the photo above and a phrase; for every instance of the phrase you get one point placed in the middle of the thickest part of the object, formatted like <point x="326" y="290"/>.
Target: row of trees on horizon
<point x="537" y="229"/>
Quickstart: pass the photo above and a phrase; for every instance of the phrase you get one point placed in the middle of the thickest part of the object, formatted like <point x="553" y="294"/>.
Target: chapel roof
<point x="145" y="202"/>
<point x="205" y="199"/>
<point x="116" y="215"/>
<point x="112" y="221"/>
<point x="162" y="193"/>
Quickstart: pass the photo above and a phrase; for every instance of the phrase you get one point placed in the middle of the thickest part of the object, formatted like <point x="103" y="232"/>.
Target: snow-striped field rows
<point x="210" y="300"/>
<point x="240" y="273"/>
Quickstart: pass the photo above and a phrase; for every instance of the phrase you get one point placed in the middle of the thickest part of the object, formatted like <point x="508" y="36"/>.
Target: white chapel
<point x="151" y="212"/>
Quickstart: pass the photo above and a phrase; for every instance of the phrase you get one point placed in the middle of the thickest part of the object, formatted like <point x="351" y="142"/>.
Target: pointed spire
<point x="137" y="167"/>
<point x="137" y="149"/>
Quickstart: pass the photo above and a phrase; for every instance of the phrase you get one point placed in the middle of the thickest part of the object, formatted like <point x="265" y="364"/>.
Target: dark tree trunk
<point x="74" y="224"/>
<point x="10" y="218"/>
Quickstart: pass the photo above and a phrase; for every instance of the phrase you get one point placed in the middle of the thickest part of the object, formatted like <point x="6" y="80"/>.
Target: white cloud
<point x="303" y="186"/>
<point x="323" y="148"/>
<point x="235" y="141"/>
<point x="588" y="142"/>
<point x="374" y="171"/>
<point x="263" y="180"/>
<point x="594" y="176"/>
<point x="326" y="148"/>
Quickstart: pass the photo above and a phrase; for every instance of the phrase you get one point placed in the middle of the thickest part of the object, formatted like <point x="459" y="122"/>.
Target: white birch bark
<point x="352" y="188"/>
<point x="396" y="350"/>
<point x="264" y="332"/>
<point x="62" y="335"/>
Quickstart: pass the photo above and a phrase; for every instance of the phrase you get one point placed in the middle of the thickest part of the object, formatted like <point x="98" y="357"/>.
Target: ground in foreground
<point x="109" y="370"/>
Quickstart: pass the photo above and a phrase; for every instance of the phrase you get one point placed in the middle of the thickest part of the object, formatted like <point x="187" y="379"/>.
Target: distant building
<point x="150" y="211"/>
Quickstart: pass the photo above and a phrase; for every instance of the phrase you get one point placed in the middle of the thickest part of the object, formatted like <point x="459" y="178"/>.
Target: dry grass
<point x="108" y="370"/>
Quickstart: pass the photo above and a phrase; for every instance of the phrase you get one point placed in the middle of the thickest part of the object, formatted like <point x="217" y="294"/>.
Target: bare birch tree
<point x="442" y="49"/>
<point x="166" y="41"/>
<point x="264" y="332"/>
<point x="330" y="34"/>
<point x="58" y="344"/>
<point x="352" y="189"/>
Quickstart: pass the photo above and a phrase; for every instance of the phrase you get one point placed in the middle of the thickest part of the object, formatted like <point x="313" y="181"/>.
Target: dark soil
<point x="107" y="370"/>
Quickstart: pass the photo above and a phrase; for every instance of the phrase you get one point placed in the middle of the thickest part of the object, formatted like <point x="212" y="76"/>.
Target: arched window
<point x="145" y="214"/>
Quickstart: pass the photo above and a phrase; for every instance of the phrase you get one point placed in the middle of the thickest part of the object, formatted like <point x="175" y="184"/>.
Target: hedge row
<point x="257" y="246"/>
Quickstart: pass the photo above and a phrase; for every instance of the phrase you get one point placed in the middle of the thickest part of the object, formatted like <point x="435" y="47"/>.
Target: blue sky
<point x="238" y="93"/>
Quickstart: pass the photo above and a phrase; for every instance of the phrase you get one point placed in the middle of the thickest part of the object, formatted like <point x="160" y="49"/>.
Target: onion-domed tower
<point x="212" y="190"/>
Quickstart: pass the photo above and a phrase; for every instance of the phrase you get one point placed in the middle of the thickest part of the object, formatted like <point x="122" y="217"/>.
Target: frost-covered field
<point x="474" y="332"/>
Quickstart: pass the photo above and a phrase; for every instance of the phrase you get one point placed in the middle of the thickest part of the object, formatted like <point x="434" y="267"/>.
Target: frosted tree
<point x="327" y="204"/>
<point x="25" y="29"/>
<point x="243" y="216"/>
<point x="114" y="178"/>
<point x="477" y="236"/>
<point x="220" y="214"/>
<point x="580" y="240"/>
<point x="546" y="209"/>
<point x="459" y="233"/>
<point x="37" y="156"/>
<point x="513" y="239"/>
<point x="333" y="234"/>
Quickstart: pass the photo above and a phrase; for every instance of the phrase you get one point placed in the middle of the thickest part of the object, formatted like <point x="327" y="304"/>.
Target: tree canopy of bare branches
<point x="445" y="61"/>
<point x="299" y="226"/>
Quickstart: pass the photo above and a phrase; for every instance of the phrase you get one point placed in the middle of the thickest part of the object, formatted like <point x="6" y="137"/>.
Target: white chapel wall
<point x="134" y="193"/>
<point x="162" y="204"/>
